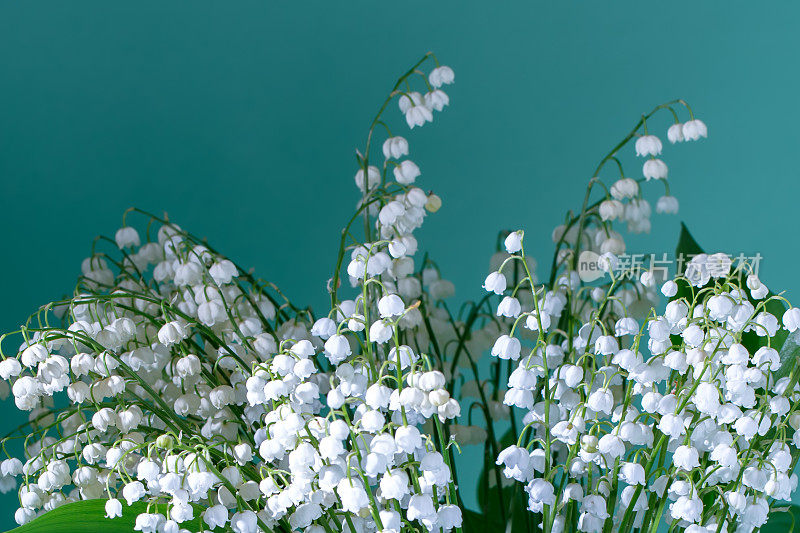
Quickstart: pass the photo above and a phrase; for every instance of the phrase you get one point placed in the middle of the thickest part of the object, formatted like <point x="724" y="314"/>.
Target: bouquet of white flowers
<point x="174" y="391"/>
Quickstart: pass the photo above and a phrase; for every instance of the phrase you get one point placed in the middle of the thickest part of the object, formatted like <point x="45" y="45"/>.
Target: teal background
<point x="241" y="119"/>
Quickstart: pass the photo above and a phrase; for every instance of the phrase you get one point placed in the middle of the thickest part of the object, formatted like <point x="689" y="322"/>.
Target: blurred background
<point x="241" y="120"/>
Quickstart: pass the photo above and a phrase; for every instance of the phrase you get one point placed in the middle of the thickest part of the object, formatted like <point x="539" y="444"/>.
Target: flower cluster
<point x="176" y="386"/>
<point x="672" y="415"/>
<point x="634" y="417"/>
<point x="200" y="390"/>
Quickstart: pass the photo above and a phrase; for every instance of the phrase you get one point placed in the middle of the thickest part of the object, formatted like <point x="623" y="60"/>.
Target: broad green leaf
<point x="686" y="248"/>
<point x="473" y="522"/>
<point x="790" y="352"/>
<point x="783" y="520"/>
<point x="488" y="494"/>
<point x="515" y="503"/>
<point x="88" y="516"/>
<point x="753" y="342"/>
<point x="686" y="244"/>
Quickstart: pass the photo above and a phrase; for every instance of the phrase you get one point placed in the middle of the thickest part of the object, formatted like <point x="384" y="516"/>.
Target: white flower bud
<point x="171" y="333"/>
<point x="406" y="172"/>
<point x="648" y="145"/>
<point x="694" y="130"/>
<point x="390" y="305"/>
<point x="33" y="355"/>
<point x="113" y="508"/>
<point x="337" y="349"/>
<point x="395" y="148"/>
<point x="495" y="282"/>
<point x="127" y="237"/>
<point x="10" y="367"/>
<point x="513" y="242"/>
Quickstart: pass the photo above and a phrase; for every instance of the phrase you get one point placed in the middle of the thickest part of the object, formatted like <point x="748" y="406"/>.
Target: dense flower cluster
<point x="673" y="410"/>
<point x="189" y="382"/>
<point x="175" y="379"/>
<point x="635" y="417"/>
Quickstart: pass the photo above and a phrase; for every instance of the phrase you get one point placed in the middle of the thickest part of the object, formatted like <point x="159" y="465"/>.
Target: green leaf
<point x="686" y="244"/>
<point x="789" y="353"/>
<point x="515" y="501"/>
<point x="473" y="522"/>
<point x="782" y="520"/>
<point x="686" y="248"/>
<point x="488" y="493"/>
<point x="88" y="516"/>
